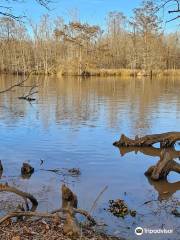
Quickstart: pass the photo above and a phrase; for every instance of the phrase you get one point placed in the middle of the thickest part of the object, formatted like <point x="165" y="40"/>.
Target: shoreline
<point x="44" y="229"/>
<point x="102" y="73"/>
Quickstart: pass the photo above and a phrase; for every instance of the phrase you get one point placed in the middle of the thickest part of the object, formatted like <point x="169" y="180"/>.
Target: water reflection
<point x="78" y="100"/>
<point x="164" y="188"/>
<point x="73" y="124"/>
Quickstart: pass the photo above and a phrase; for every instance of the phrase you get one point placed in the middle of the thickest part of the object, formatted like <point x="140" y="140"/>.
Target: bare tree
<point x="146" y="28"/>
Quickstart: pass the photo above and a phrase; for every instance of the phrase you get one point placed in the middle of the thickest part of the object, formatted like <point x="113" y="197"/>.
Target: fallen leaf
<point x="16" y="238"/>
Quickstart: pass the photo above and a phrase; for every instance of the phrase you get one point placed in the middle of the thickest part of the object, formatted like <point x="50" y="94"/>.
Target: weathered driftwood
<point x="165" y="165"/>
<point x="24" y="195"/>
<point x="165" y="139"/>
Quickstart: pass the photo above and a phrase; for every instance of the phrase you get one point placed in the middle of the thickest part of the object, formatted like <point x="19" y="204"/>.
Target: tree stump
<point x="27" y="170"/>
<point x="69" y="202"/>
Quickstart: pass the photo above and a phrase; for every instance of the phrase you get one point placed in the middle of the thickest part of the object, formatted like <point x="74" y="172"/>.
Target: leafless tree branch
<point x="17" y="84"/>
<point x="172" y="11"/>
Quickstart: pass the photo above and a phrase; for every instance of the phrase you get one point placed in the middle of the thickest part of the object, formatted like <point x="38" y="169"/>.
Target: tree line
<point x="54" y="46"/>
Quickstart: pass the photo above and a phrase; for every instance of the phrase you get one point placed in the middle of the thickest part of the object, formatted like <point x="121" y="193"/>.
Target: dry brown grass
<point x="98" y="72"/>
<point x="171" y="72"/>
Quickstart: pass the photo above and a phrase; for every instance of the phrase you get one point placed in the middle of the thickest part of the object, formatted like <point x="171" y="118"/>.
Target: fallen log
<point x="164" y="166"/>
<point x="165" y="139"/>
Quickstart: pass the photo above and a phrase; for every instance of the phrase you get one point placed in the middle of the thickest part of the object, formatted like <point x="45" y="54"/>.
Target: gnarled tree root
<point x="165" y="139"/>
<point x="165" y="165"/>
<point x="24" y="195"/>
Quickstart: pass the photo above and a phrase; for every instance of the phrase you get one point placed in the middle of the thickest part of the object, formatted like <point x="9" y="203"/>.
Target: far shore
<point x="102" y="73"/>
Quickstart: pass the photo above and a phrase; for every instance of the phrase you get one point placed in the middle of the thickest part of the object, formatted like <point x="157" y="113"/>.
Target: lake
<point x="72" y="124"/>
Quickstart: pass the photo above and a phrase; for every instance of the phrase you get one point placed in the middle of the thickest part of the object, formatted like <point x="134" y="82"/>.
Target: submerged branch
<point x="97" y="198"/>
<point x="28" y="97"/>
<point x="17" y="84"/>
<point x="24" y="195"/>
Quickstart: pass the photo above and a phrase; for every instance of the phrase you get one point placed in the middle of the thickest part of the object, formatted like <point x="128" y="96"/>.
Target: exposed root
<point x="69" y="208"/>
<point x="24" y="195"/>
<point x="164" y="166"/>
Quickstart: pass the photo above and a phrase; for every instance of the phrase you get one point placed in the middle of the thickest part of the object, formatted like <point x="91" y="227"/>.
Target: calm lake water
<point x="73" y="123"/>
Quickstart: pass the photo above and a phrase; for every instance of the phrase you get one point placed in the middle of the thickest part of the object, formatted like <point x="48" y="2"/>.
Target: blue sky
<point x="92" y="11"/>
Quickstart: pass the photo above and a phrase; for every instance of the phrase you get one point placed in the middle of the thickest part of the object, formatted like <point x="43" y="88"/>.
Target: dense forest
<point x="54" y="46"/>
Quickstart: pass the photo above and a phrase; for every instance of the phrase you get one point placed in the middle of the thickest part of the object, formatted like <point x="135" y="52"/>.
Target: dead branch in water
<point x="19" y="84"/>
<point x="165" y="139"/>
<point x="98" y="197"/>
<point x="28" y="97"/>
<point x="24" y="195"/>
